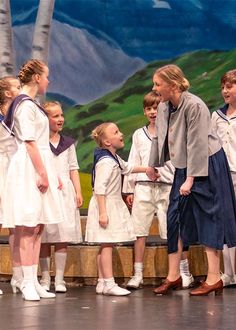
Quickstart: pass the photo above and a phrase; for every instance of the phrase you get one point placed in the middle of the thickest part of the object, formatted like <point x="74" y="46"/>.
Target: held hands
<point x="152" y="173"/>
<point x="42" y="183"/>
<point x="103" y="220"/>
<point x="60" y="184"/>
<point x="185" y="189"/>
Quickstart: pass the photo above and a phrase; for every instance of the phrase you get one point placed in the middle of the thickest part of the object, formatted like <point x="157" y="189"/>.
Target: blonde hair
<point x="5" y="85"/>
<point x="98" y="134"/>
<point x="150" y="99"/>
<point x="172" y="74"/>
<point x="229" y="77"/>
<point x="30" y="68"/>
<point x="49" y="105"/>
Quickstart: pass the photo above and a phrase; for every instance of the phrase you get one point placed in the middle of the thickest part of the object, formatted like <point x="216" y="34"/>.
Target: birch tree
<point x="7" y="65"/>
<point x="41" y="39"/>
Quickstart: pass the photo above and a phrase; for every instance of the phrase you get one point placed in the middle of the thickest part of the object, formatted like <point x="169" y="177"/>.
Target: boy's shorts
<point x="150" y="197"/>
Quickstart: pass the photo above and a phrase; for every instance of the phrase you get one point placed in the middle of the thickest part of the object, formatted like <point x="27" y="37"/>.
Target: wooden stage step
<point x="81" y="261"/>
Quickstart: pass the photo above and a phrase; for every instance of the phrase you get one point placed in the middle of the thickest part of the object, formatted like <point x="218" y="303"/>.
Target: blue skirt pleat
<point x="208" y="215"/>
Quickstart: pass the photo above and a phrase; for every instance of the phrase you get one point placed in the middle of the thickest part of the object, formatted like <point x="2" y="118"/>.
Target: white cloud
<point x="161" y="4"/>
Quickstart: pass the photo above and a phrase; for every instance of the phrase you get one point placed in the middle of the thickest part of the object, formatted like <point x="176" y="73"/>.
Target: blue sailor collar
<point x="64" y="143"/>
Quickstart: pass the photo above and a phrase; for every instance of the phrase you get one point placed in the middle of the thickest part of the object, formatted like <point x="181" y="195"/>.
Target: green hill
<point x="124" y="106"/>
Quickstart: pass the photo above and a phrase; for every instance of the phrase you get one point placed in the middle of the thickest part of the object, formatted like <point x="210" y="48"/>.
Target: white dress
<point x="23" y="203"/>
<point x="108" y="182"/>
<point x="70" y="229"/>
<point x="7" y="149"/>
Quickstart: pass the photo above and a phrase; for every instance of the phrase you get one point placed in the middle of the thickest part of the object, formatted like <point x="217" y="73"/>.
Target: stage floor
<point x="81" y="309"/>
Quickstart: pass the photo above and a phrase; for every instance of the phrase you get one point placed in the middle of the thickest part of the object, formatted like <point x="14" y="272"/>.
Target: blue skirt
<point x="207" y="215"/>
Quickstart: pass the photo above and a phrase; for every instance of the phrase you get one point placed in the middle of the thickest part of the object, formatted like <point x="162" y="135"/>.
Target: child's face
<point x="228" y="91"/>
<point x="113" y="137"/>
<point x="151" y="113"/>
<point x="14" y="90"/>
<point x="56" y="119"/>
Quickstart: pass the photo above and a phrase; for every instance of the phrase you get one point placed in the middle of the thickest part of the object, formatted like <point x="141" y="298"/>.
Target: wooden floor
<point x="81" y="309"/>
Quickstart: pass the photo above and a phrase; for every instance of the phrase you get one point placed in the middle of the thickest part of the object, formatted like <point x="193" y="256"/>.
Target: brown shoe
<point x="204" y="289"/>
<point x="166" y="285"/>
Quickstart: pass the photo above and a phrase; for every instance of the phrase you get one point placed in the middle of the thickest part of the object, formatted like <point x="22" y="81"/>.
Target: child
<point x="69" y="230"/>
<point x="108" y="219"/>
<point x="147" y="197"/>
<point x="224" y="122"/>
<point x="31" y="196"/>
<point x="9" y="89"/>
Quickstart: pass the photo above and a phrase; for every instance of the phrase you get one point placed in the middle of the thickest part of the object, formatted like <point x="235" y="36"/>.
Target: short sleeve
<point x="72" y="158"/>
<point x="103" y="173"/>
<point x="24" y="121"/>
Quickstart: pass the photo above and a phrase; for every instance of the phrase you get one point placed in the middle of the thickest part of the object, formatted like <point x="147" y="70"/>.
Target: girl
<point x="69" y="230"/>
<point x="224" y="122"/>
<point x="9" y="89"/>
<point x="31" y="196"/>
<point x="108" y="219"/>
<point x="198" y="209"/>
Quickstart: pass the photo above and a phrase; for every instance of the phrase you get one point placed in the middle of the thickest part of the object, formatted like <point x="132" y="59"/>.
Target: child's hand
<point x="42" y="183"/>
<point x="152" y="173"/>
<point x="60" y="184"/>
<point x="103" y="220"/>
<point x="79" y="200"/>
<point x="129" y="200"/>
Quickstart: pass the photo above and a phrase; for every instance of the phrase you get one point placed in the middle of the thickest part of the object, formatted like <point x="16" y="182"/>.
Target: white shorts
<point x="150" y="197"/>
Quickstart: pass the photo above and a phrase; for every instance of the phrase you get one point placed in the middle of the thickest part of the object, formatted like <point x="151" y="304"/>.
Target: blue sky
<point x="150" y="29"/>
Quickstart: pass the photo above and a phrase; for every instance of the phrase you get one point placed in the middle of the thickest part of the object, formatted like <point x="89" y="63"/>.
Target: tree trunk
<point x="40" y="48"/>
<point x="7" y="65"/>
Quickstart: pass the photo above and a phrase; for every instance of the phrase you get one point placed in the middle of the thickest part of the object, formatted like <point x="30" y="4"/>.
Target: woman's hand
<point x="185" y="189"/>
<point x="79" y="200"/>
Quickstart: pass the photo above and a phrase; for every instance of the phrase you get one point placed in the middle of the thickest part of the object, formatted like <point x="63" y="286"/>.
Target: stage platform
<point x="81" y="309"/>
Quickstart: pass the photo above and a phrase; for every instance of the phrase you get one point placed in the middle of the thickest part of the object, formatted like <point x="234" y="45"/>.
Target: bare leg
<point x="213" y="258"/>
<point x="106" y="260"/>
<point x="174" y="263"/>
<point x="17" y="275"/>
<point x="139" y="249"/>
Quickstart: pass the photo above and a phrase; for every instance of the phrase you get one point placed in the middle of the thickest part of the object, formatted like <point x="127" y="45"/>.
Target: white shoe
<point x="135" y="282"/>
<point x="60" y="286"/>
<point x="28" y="291"/>
<point x="1" y="292"/>
<point x="228" y="280"/>
<point x="115" y="290"/>
<point x="43" y="293"/>
<point x="16" y="285"/>
<point x="45" y="283"/>
<point x="187" y="281"/>
<point x="100" y="286"/>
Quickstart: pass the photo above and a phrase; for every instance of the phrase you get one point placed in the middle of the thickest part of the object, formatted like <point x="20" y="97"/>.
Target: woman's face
<point x="162" y="88"/>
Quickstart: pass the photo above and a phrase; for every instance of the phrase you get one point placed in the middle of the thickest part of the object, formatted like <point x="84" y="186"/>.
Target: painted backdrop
<point x="102" y="54"/>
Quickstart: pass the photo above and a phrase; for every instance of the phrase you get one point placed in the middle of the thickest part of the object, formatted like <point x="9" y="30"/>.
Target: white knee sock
<point x="184" y="267"/>
<point x="138" y="269"/>
<point x="45" y="267"/>
<point x="60" y="263"/>
<point x="229" y="260"/>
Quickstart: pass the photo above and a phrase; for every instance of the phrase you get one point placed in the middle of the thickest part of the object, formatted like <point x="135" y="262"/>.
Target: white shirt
<point x="225" y="128"/>
<point x="139" y="156"/>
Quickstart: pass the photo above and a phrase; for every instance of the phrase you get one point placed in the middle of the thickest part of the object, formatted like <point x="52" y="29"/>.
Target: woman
<point x="198" y="211"/>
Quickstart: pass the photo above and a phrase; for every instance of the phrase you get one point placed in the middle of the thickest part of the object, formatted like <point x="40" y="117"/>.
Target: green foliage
<point x="124" y="106"/>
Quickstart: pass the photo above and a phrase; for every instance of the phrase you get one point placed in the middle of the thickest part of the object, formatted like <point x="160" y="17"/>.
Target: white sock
<point x="60" y="263"/>
<point x="35" y="274"/>
<point x="45" y="267"/>
<point x="27" y="273"/>
<point x="109" y="282"/>
<point x="229" y="260"/>
<point x="184" y="267"/>
<point x="17" y="273"/>
<point x="138" y="269"/>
